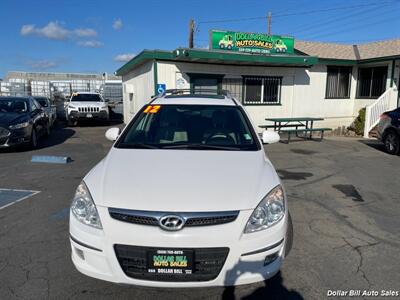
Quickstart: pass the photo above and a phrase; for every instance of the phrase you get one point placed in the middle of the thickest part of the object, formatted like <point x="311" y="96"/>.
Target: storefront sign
<point x="257" y="43"/>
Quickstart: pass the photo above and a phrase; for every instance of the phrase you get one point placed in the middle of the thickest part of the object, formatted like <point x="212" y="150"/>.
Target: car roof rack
<point x="211" y="93"/>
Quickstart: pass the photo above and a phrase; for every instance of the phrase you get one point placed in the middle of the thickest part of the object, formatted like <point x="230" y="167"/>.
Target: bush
<point x="360" y="122"/>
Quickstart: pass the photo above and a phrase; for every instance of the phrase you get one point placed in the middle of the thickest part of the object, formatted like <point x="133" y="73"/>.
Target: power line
<point x="353" y="28"/>
<point x="313" y="26"/>
<point x="296" y="13"/>
<point x="334" y="8"/>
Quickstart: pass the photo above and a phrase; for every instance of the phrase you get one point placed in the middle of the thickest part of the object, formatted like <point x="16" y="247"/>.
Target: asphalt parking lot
<point x="343" y="195"/>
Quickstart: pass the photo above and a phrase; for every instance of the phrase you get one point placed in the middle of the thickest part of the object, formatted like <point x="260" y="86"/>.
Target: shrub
<point x="360" y="122"/>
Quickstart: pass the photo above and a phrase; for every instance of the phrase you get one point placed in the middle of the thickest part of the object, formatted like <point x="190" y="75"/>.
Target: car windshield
<point x="208" y="127"/>
<point x="42" y="101"/>
<point x="86" y="98"/>
<point x="13" y="105"/>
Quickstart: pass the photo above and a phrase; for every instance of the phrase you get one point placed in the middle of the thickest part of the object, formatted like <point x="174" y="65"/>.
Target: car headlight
<point x="18" y="126"/>
<point x="71" y="106"/>
<point x="269" y="212"/>
<point x="84" y="208"/>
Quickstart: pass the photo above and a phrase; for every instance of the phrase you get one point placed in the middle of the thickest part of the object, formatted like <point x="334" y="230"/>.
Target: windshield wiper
<point x="139" y="146"/>
<point x="199" y="147"/>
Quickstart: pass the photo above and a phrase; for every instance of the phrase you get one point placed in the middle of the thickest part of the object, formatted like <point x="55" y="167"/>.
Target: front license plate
<point x="170" y="261"/>
<point x="89" y="116"/>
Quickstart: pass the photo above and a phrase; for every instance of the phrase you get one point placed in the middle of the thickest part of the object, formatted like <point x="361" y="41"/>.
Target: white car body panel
<point x="194" y="180"/>
<point x="178" y="181"/>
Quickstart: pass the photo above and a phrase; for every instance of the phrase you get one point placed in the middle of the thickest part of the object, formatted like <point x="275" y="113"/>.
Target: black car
<point x="389" y="130"/>
<point x="48" y="107"/>
<point x="22" y="121"/>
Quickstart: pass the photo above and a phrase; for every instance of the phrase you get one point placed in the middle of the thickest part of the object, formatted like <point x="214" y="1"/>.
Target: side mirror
<point x="112" y="134"/>
<point x="270" y="137"/>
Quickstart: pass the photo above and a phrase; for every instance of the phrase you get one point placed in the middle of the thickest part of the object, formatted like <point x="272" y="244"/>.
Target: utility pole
<point x="191" y="33"/>
<point x="269" y="17"/>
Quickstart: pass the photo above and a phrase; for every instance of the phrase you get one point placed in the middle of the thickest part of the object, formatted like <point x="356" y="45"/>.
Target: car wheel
<point x="34" y="140"/>
<point x="289" y="236"/>
<point x="392" y="142"/>
<point x="72" y="123"/>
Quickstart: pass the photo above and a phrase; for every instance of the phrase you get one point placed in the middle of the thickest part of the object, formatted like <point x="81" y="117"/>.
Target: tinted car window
<point x="13" y="105"/>
<point x="86" y="98"/>
<point x="34" y="105"/>
<point x="42" y="101"/>
<point x="167" y="126"/>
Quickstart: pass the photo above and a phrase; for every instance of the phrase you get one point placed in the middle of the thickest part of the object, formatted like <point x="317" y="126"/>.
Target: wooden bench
<point x="305" y="131"/>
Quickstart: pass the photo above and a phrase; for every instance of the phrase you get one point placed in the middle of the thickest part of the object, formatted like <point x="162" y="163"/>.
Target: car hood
<point x="181" y="180"/>
<point x="9" y="118"/>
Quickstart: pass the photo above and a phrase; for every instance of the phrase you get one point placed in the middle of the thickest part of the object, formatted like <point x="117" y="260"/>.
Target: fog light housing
<point x="79" y="252"/>
<point x="270" y="258"/>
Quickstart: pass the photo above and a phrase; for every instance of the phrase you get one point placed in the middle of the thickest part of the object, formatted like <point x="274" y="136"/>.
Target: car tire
<point x="34" y="139"/>
<point x="289" y="236"/>
<point x="72" y="123"/>
<point x="392" y="142"/>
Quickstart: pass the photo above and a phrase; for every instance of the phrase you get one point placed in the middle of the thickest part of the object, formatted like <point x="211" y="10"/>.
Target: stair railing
<point x="387" y="101"/>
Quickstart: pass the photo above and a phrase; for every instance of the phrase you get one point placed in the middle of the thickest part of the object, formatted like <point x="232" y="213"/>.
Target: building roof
<point x="380" y="49"/>
<point x="217" y="57"/>
<point x="307" y="54"/>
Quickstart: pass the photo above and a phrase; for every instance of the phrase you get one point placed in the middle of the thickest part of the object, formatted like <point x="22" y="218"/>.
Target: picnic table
<point x="296" y="125"/>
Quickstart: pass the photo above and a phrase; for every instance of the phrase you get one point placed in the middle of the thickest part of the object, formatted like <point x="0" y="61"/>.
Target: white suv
<point x="86" y="106"/>
<point x="186" y="197"/>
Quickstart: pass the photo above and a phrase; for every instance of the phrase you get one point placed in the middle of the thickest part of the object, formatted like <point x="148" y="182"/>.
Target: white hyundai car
<point x="186" y="197"/>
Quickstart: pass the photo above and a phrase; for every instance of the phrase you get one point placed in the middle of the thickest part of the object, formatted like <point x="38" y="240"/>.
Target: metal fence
<point x="61" y="89"/>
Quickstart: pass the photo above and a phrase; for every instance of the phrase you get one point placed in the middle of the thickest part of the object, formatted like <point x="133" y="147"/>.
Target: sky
<point x="100" y="36"/>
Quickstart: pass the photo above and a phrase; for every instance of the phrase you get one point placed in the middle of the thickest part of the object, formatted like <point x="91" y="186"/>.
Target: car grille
<point x="88" y="109"/>
<point x="4" y="132"/>
<point x="142" y="220"/>
<point x="191" y="219"/>
<point x="208" y="263"/>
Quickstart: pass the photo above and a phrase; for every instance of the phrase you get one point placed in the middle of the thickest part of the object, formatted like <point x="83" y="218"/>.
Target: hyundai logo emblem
<point x="171" y="222"/>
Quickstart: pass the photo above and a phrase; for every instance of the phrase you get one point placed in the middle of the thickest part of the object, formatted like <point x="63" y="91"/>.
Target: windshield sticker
<point x="247" y="136"/>
<point x="152" y="109"/>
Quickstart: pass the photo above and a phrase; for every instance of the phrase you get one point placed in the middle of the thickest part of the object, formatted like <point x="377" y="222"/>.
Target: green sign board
<point x="256" y="43"/>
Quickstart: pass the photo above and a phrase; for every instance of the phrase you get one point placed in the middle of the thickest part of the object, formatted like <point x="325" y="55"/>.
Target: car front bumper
<point x="93" y="252"/>
<point x="101" y="115"/>
<point x="16" y="137"/>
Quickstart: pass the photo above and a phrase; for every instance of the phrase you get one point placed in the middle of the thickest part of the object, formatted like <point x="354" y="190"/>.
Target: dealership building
<point x="298" y="79"/>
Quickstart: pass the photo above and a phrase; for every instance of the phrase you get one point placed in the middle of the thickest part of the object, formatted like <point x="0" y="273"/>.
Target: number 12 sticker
<point x="152" y="109"/>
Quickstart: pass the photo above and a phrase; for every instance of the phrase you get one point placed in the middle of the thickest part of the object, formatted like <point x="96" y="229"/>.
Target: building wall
<point x="302" y="94"/>
<point x="138" y="87"/>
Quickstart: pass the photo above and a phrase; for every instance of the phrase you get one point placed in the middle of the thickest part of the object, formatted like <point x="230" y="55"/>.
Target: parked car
<point x="48" y="107"/>
<point x="22" y="122"/>
<point x="388" y="130"/>
<point x="186" y="197"/>
<point x="86" y="106"/>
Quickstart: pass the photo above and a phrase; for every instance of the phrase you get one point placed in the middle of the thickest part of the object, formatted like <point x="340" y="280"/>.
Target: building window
<point x="262" y="90"/>
<point x="201" y="83"/>
<point x="371" y="82"/>
<point x="338" y="82"/>
<point x="234" y="86"/>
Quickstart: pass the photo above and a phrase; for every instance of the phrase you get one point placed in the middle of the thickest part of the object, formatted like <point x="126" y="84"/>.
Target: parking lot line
<point x="9" y="197"/>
